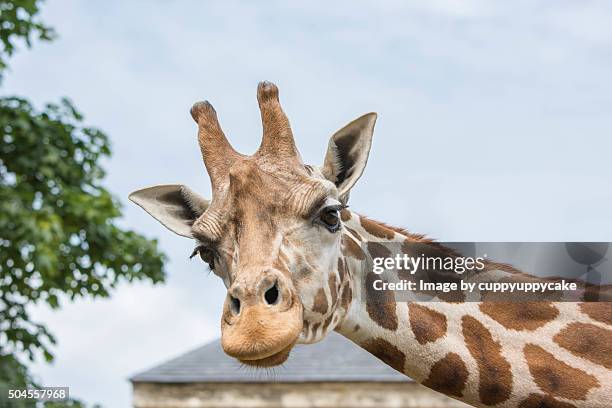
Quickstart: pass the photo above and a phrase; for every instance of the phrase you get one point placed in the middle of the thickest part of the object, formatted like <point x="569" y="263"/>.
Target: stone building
<point x="333" y="373"/>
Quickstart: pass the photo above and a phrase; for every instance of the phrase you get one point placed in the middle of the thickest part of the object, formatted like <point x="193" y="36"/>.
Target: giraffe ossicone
<point x="279" y="235"/>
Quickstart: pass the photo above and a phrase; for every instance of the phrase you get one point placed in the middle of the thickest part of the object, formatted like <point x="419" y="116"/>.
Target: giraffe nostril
<point x="234" y="305"/>
<point x="271" y="294"/>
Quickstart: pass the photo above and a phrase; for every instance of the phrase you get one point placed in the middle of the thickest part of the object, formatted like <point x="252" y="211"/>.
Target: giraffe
<point x="290" y="253"/>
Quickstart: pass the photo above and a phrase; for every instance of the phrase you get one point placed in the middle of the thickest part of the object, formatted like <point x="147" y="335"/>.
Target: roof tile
<point x="335" y="359"/>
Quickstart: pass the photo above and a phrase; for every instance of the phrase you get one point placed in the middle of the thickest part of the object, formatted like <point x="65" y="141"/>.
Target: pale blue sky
<point x="494" y="124"/>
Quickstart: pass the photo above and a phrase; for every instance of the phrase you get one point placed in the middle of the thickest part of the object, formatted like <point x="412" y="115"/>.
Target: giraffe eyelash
<point x="207" y="254"/>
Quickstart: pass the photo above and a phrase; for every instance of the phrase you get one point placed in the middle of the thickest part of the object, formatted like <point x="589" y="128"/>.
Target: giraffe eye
<point x="206" y="254"/>
<point x="330" y="218"/>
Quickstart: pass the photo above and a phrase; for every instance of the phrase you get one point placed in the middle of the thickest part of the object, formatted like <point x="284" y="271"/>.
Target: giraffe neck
<point x="504" y="354"/>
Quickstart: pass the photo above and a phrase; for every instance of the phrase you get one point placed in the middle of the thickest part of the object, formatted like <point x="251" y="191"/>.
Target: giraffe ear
<point x="347" y="153"/>
<point x="174" y="205"/>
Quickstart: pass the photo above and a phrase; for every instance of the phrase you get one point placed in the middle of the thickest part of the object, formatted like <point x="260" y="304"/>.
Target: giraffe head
<point x="272" y="230"/>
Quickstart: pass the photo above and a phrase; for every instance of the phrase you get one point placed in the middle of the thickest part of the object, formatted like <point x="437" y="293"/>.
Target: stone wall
<point x="276" y="395"/>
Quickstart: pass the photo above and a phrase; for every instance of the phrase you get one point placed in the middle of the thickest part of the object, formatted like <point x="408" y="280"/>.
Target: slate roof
<point x="334" y="359"/>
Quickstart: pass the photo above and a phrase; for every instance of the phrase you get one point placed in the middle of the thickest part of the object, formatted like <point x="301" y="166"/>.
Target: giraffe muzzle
<point x="262" y="319"/>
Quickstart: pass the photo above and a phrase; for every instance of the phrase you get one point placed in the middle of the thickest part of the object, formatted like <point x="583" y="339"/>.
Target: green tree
<point x="59" y="236"/>
<point x="19" y="23"/>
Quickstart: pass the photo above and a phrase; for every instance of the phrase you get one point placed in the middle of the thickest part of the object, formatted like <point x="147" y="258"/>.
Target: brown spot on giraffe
<point x="376" y="229"/>
<point x="600" y="311"/>
<point x="345" y="215"/>
<point x="377" y="250"/>
<point x="346" y="295"/>
<point x="333" y="288"/>
<point x="556" y="378"/>
<point x="327" y="323"/>
<point x="448" y="375"/>
<point x="380" y="305"/>
<point x="430" y="250"/>
<point x="303" y="272"/>
<point x="543" y="401"/>
<point x="520" y="315"/>
<point x="320" y="302"/>
<point x="341" y="269"/>
<point x="354" y="233"/>
<point x="426" y="324"/>
<point x="495" y="377"/>
<point x="350" y="248"/>
<point x="588" y="341"/>
<point x="315" y="328"/>
<point x="387" y="352"/>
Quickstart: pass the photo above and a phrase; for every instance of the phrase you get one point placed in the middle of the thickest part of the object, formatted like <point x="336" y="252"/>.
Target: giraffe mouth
<point x="270" y="361"/>
<point x="262" y="336"/>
